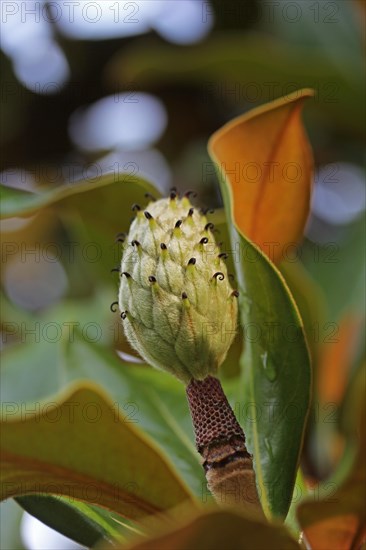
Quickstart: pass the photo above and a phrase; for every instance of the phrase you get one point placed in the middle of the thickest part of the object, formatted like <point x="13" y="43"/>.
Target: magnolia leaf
<point x="275" y="365"/>
<point x="17" y="202"/>
<point x="274" y="394"/>
<point x="81" y="526"/>
<point x="219" y="529"/>
<point x="150" y="399"/>
<point x="78" y="231"/>
<point x="79" y="445"/>
<point x="266" y="159"/>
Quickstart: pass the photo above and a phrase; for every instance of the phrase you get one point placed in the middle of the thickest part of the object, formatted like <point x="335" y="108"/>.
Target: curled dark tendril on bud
<point x="223" y="256"/>
<point x="114" y="307"/>
<point x="173" y="195"/>
<point x="124" y="315"/>
<point x="190" y="212"/>
<point x="127" y="275"/>
<point x="152" y="279"/>
<point x="192" y="261"/>
<point x="135" y="243"/>
<point x="163" y="246"/>
<point x="204" y="240"/>
<point x="219" y="275"/>
<point x="209" y="225"/>
<point x="136" y="207"/>
<point x="207" y="211"/>
<point x="147" y="214"/>
<point x="178" y="223"/>
<point x="115" y="269"/>
<point x="235" y="293"/>
<point x="190" y="193"/>
<point x="184" y="296"/>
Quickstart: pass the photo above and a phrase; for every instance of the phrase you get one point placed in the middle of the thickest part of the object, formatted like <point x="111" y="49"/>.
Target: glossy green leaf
<point x="82" y="221"/>
<point x="274" y="394"/>
<point x="67" y="519"/>
<point x="218" y="529"/>
<point x="82" y="522"/>
<point x="300" y="492"/>
<point x="154" y="401"/>
<point x="78" y="444"/>
<point x="16" y="202"/>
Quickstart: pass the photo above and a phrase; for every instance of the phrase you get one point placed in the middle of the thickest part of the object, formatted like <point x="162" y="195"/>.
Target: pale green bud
<point x="179" y="311"/>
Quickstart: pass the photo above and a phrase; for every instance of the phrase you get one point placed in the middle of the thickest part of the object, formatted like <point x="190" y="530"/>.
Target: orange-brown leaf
<point x="266" y="158"/>
<point x="336" y="359"/>
<point x="337" y="533"/>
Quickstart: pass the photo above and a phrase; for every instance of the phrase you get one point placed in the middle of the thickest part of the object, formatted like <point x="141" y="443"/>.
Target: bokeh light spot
<point x="130" y="121"/>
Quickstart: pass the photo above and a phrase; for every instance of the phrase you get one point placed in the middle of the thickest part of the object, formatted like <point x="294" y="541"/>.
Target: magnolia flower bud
<point x="179" y="311"/>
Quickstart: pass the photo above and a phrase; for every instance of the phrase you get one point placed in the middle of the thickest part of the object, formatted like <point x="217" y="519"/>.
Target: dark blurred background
<point x="71" y="73"/>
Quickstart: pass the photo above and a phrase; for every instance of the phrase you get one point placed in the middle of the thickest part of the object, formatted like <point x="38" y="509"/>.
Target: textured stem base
<point x="221" y="442"/>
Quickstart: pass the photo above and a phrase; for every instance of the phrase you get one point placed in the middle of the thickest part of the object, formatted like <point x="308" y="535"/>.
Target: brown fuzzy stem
<point x="220" y="441"/>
